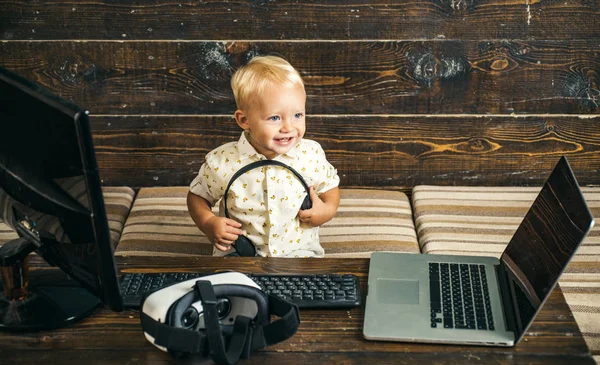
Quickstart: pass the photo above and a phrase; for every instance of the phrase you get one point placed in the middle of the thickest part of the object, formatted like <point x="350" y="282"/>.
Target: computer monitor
<point x="50" y="195"/>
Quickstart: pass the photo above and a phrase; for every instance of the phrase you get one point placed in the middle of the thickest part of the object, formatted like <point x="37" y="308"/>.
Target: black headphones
<point x="243" y="246"/>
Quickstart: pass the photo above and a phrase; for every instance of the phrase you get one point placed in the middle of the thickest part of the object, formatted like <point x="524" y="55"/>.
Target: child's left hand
<point x="318" y="214"/>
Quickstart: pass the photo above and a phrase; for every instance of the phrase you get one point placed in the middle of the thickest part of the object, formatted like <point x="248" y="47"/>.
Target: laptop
<point x="480" y="300"/>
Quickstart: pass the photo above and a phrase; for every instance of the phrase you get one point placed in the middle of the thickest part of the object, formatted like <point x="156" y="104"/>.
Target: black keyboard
<point x="459" y="296"/>
<point x="319" y="291"/>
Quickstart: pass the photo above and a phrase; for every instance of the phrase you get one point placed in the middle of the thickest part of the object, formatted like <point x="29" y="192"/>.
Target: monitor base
<point x="27" y="307"/>
<point x="46" y="308"/>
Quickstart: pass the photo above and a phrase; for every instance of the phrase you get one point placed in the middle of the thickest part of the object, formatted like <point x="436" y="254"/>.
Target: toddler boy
<point x="264" y="203"/>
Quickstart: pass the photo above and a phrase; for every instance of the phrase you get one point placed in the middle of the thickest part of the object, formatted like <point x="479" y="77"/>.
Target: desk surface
<point x="333" y="336"/>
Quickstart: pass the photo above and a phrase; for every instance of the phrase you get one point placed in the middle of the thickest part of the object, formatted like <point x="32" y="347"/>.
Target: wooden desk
<point x="324" y="337"/>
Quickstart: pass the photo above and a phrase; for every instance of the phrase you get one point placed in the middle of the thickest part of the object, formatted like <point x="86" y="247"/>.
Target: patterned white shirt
<point x="266" y="200"/>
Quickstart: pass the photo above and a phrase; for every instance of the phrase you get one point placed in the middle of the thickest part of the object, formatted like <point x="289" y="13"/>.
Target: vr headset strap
<point x="174" y="339"/>
<point x="279" y="330"/>
<point x="216" y="344"/>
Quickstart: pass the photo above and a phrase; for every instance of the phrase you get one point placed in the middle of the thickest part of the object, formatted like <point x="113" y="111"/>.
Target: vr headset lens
<point x="193" y="319"/>
<point x="189" y="318"/>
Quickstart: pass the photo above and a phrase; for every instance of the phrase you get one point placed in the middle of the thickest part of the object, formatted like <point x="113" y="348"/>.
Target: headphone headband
<point x="257" y="164"/>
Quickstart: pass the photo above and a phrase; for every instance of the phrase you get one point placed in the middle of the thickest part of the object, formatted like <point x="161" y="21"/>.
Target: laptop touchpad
<point x="395" y="291"/>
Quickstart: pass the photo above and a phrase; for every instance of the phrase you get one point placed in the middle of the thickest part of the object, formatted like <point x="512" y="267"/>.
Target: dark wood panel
<point x="390" y="152"/>
<point x="342" y="77"/>
<point x="341" y="20"/>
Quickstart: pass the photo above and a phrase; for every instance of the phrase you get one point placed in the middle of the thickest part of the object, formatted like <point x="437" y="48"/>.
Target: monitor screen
<point x="50" y="191"/>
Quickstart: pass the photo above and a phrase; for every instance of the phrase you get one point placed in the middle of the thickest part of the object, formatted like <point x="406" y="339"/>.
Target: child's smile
<point x="284" y="141"/>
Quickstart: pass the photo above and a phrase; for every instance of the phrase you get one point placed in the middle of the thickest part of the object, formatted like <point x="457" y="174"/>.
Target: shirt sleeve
<point x="207" y="183"/>
<point x="328" y="178"/>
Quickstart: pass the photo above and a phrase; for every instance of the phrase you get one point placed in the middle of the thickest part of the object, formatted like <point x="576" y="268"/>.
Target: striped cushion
<point x="367" y="221"/>
<point x="117" y="202"/>
<point x="481" y="221"/>
<point x="6" y="233"/>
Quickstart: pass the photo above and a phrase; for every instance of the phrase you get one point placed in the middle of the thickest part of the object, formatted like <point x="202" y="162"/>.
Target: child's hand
<point x="318" y="214"/>
<point x="222" y="232"/>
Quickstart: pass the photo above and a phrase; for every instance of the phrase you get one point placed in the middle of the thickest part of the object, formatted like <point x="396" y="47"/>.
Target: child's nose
<point x="286" y="125"/>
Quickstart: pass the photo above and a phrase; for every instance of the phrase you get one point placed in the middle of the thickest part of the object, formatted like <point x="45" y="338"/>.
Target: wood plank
<point x="368" y="151"/>
<point x="150" y="355"/>
<point x="394" y="77"/>
<point x="306" y="19"/>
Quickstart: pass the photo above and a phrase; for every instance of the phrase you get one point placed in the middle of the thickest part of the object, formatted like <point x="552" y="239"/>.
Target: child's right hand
<point x="222" y="232"/>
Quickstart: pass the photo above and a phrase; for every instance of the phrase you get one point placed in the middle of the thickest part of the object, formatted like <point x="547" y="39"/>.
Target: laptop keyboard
<point x="459" y="296"/>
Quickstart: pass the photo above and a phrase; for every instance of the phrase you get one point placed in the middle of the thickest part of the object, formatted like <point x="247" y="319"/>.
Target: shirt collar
<point x="247" y="150"/>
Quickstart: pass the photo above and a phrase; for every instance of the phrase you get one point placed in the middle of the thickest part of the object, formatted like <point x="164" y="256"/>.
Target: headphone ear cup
<point x="244" y="247"/>
<point x="307" y="203"/>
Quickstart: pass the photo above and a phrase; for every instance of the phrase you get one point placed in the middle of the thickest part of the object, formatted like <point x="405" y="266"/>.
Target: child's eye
<point x="274" y="118"/>
<point x="298" y="115"/>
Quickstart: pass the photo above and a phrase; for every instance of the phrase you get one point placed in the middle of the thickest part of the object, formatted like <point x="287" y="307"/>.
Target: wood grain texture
<point x="149" y="355"/>
<point x="368" y="151"/>
<point x="306" y="19"/>
<point x="108" y="337"/>
<point x="388" y="77"/>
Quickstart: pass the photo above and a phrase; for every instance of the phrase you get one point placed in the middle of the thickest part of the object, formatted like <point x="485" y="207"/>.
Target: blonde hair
<point x="260" y="73"/>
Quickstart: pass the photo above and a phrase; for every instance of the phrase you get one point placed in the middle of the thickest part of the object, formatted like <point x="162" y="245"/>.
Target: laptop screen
<point x="544" y="243"/>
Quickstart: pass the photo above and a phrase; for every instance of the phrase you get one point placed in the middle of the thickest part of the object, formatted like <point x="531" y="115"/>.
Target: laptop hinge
<point x="505" y="296"/>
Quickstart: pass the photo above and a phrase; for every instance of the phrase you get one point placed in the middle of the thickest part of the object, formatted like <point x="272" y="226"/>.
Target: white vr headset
<point x="207" y="314"/>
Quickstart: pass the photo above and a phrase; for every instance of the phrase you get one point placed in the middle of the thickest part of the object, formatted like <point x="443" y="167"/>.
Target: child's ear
<point x="241" y="119"/>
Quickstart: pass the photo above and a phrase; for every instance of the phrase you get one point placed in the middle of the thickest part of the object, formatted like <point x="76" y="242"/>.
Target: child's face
<point x="275" y="119"/>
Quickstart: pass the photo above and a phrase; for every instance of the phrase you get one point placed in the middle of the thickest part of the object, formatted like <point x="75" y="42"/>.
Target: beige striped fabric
<point x="482" y="220"/>
<point x="367" y="221"/>
<point x="117" y="202"/>
<point x="6" y="233"/>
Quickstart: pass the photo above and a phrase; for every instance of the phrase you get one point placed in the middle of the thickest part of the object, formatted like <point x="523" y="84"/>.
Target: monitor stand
<point x="25" y="307"/>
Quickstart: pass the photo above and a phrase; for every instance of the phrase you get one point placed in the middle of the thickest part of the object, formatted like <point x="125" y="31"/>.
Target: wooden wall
<point x="449" y="92"/>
